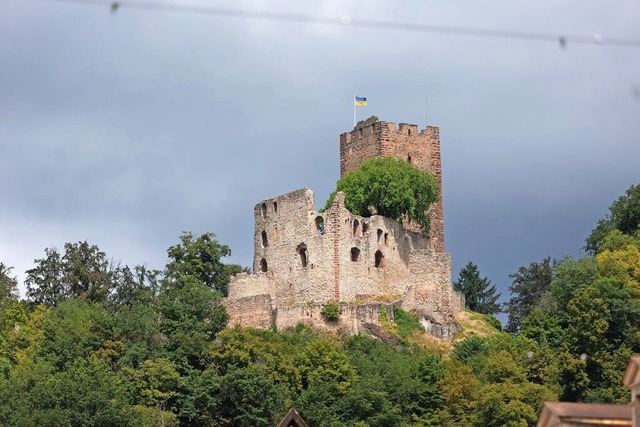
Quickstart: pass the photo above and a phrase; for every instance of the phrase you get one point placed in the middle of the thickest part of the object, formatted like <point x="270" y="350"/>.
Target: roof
<point x="292" y="419"/>
<point x="584" y="414"/>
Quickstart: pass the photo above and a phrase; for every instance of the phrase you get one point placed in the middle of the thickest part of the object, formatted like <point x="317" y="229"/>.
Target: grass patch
<point x="406" y="323"/>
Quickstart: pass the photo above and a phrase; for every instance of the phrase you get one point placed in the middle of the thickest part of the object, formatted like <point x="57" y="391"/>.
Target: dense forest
<point x="96" y="343"/>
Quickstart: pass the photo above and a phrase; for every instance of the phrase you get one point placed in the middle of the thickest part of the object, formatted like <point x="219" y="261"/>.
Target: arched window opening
<point x="263" y="210"/>
<point x="356" y="228"/>
<point x="265" y="242"/>
<point x="365" y="227"/>
<point x="320" y="225"/>
<point x="263" y="265"/>
<point x="355" y="254"/>
<point x="380" y="232"/>
<point x="302" y="251"/>
<point x="379" y="259"/>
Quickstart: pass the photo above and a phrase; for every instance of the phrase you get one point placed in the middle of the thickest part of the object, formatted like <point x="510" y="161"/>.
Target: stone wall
<point x="304" y="258"/>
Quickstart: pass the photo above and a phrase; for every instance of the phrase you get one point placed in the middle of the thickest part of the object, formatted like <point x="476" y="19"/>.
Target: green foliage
<point x="82" y="271"/>
<point x="191" y="315"/>
<point x="624" y="215"/>
<point x="406" y="322"/>
<point x="331" y="311"/>
<point x="480" y="295"/>
<point x="8" y="286"/>
<point x="529" y="286"/>
<point x="200" y="259"/>
<point x="389" y="187"/>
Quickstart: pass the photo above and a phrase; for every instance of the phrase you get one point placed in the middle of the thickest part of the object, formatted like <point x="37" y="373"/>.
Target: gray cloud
<point x="127" y="129"/>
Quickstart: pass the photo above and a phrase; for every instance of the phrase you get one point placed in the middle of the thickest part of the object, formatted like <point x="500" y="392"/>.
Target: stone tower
<point x="374" y="138"/>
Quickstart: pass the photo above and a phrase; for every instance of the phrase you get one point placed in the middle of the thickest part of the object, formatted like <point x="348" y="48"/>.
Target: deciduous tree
<point x="390" y="187"/>
<point x="528" y="286"/>
<point x="624" y="215"/>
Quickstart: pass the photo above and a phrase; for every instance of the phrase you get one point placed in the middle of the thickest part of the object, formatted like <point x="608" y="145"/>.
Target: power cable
<point x="347" y="21"/>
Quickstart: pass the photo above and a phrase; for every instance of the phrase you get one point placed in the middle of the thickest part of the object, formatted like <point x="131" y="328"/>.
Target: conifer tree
<point x="479" y="293"/>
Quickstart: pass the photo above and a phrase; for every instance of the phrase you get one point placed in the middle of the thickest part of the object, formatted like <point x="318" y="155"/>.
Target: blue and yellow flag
<point x="361" y="102"/>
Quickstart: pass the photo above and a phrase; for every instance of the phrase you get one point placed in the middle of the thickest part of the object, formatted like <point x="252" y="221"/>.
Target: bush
<point x="331" y="311"/>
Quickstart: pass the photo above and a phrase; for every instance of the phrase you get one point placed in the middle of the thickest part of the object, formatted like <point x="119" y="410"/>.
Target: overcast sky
<point x="126" y="129"/>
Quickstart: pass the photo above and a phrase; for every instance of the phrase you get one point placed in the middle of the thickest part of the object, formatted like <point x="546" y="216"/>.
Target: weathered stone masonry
<point x="304" y="258"/>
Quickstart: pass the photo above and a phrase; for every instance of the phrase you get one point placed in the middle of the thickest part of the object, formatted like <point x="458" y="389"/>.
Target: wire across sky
<point x="347" y="21"/>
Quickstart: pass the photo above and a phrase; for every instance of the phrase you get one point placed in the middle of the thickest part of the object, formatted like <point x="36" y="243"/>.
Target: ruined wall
<point x="422" y="149"/>
<point x="290" y="249"/>
<point x="303" y="258"/>
<point x="252" y="311"/>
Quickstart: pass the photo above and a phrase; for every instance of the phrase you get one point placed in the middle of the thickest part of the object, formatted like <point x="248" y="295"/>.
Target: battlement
<point x="390" y="129"/>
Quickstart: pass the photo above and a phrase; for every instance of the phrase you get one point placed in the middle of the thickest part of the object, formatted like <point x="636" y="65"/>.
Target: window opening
<point x="320" y="225"/>
<point x="265" y="242"/>
<point x="355" y="254"/>
<point x="263" y="265"/>
<point x="356" y="228"/>
<point x="275" y="207"/>
<point x="365" y="227"/>
<point x="379" y="259"/>
<point x="409" y="158"/>
<point x="302" y="251"/>
<point x="379" y="234"/>
<point x="386" y="239"/>
<point x="263" y="209"/>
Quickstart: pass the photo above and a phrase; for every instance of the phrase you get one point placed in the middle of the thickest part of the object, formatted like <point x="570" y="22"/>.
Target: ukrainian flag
<point x="361" y="102"/>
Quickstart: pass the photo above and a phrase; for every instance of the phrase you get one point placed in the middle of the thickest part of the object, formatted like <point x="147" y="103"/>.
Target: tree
<point x="480" y="295"/>
<point x="527" y="288"/>
<point x="624" y="215"/>
<point x="83" y="271"/>
<point x="390" y="187"/>
<point x="8" y="286"/>
<point x="199" y="258"/>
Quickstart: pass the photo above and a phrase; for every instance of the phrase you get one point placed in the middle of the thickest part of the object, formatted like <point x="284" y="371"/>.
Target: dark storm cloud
<point x="127" y="129"/>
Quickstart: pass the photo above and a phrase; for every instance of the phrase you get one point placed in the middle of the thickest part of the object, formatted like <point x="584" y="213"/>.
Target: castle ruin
<point x="304" y="259"/>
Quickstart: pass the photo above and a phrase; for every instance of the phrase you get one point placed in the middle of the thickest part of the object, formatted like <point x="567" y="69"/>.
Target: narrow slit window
<point x="263" y="265"/>
<point x="379" y="259"/>
<point x="263" y="210"/>
<point x="320" y="225"/>
<point x="380" y="233"/>
<point x="302" y="251"/>
<point x="356" y="228"/>
<point x="355" y="254"/>
<point x="275" y="207"/>
<point x="265" y="242"/>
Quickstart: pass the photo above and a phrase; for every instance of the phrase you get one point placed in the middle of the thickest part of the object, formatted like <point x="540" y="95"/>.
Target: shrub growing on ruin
<point x="331" y="311"/>
<point x="390" y="187"/>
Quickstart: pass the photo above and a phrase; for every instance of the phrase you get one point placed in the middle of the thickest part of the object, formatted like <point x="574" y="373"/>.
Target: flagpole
<point x="354" y="109"/>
